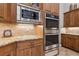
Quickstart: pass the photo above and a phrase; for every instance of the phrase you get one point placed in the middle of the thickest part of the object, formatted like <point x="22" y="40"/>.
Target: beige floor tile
<point x="64" y="52"/>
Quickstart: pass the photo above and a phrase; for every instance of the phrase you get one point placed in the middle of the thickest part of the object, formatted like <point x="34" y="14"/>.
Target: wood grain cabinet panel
<point x="76" y="45"/>
<point x="30" y="48"/>
<point x="55" y="8"/>
<point x="47" y="7"/>
<point x="71" y="18"/>
<point x="23" y="48"/>
<point x="1" y="11"/>
<point x="52" y="8"/>
<point x="70" y="41"/>
<point x="8" y="50"/>
<point x="24" y="44"/>
<point x="66" y="19"/>
<point x="24" y="52"/>
<point x="37" y="50"/>
<point x="8" y="12"/>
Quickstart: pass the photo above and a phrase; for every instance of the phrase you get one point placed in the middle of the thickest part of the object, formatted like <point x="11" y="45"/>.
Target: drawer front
<point x="37" y="42"/>
<point x="24" y="44"/>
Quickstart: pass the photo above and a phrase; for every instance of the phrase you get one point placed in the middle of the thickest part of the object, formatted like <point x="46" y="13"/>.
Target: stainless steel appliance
<point x="51" y="33"/>
<point x="27" y="14"/>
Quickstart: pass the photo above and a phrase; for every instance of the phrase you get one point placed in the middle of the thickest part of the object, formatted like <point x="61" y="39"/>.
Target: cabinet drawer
<point x="23" y="44"/>
<point x="37" y="42"/>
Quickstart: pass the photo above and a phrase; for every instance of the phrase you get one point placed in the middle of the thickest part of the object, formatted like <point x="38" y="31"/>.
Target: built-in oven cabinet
<point x="8" y="12"/>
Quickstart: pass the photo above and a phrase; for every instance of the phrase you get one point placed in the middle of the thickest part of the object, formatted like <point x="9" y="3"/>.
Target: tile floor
<point x="64" y="52"/>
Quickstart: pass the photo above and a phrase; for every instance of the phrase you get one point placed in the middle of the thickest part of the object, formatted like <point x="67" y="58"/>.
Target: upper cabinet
<point x="55" y="8"/>
<point x="47" y="7"/>
<point x="34" y="5"/>
<point x="1" y="11"/>
<point x="71" y="18"/>
<point x="51" y="7"/>
<point x="8" y="12"/>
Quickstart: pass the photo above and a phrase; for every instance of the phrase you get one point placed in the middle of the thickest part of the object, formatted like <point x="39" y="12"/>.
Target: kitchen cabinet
<point x="37" y="48"/>
<point x="23" y="48"/>
<point x="35" y="5"/>
<point x="30" y="48"/>
<point x="8" y="50"/>
<point x="66" y="19"/>
<point x="24" y="52"/>
<point x="8" y="12"/>
<point x="70" y="41"/>
<point x="52" y="8"/>
<point x="37" y="51"/>
<point x="55" y="8"/>
<point x="1" y="11"/>
<point x="71" y="18"/>
<point x="47" y="7"/>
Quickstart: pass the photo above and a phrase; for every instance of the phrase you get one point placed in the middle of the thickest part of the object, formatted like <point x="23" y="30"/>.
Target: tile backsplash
<point x="17" y="29"/>
<point x="72" y="30"/>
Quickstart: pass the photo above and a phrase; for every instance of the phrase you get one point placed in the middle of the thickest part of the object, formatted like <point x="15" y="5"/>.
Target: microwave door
<point x="26" y="15"/>
<point x="35" y="15"/>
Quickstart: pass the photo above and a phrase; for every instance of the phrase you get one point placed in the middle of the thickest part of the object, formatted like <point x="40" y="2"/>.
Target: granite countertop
<point x="7" y="40"/>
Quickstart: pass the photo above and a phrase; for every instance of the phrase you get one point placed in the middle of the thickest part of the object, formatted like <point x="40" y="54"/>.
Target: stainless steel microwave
<point x="27" y="14"/>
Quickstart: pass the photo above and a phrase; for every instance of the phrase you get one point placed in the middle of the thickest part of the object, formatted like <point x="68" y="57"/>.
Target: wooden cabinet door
<point x="76" y="14"/>
<point x="47" y="7"/>
<point x="1" y="10"/>
<point x="37" y="51"/>
<point x="8" y="50"/>
<point x="72" y="19"/>
<point x="55" y="8"/>
<point x="8" y="12"/>
<point x="76" y="45"/>
<point x="70" y="42"/>
<point x="24" y="52"/>
<point x="24" y="48"/>
<point x="63" y="40"/>
<point x="66" y="19"/>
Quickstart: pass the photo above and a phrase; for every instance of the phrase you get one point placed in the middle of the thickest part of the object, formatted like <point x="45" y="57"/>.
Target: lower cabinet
<point x="8" y="50"/>
<point x="70" y="41"/>
<point x="24" y="52"/>
<point x="23" y="48"/>
<point x="30" y="48"/>
<point x="37" y="51"/>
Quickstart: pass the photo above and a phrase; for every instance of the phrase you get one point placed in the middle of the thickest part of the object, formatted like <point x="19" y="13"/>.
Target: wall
<point x="39" y="30"/>
<point x="70" y="30"/>
<point x="20" y="29"/>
